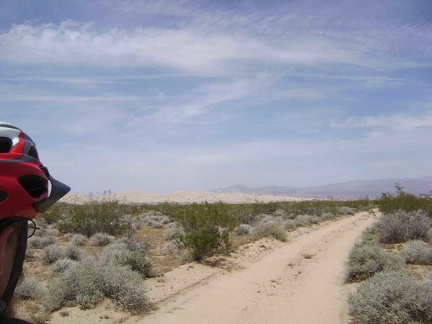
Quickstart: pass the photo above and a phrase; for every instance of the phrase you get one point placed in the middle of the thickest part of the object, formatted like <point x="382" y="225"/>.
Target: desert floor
<point x="266" y="281"/>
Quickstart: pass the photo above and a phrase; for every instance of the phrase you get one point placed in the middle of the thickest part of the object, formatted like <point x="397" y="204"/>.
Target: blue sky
<point x="168" y="96"/>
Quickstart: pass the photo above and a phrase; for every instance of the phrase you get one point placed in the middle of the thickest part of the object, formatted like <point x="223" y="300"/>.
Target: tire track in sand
<point x="300" y="282"/>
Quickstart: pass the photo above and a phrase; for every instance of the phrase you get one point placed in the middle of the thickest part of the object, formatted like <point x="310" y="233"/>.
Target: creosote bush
<point x="404" y="201"/>
<point x="87" y="282"/>
<point x="103" y="214"/>
<point x="206" y="226"/>
<point x="391" y="297"/>
<point x="402" y="226"/>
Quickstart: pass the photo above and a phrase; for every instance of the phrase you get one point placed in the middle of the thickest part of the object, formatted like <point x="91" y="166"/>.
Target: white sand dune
<point x="184" y="197"/>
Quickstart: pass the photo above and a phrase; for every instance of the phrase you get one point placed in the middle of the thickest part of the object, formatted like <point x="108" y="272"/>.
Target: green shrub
<point x="368" y="258"/>
<point x="271" y="229"/>
<point x="87" y="282"/>
<point x="389" y="203"/>
<point x="207" y="227"/>
<point x="417" y="252"/>
<point x="402" y="226"/>
<point x="391" y="297"/>
<point x="55" y="213"/>
<point x="103" y="214"/>
<point x="29" y="288"/>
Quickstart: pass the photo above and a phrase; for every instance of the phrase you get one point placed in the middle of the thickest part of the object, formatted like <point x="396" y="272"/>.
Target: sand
<point x="267" y="281"/>
<point x="140" y="197"/>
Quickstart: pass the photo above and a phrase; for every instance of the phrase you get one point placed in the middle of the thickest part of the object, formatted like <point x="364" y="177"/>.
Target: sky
<point x="164" y="96"/>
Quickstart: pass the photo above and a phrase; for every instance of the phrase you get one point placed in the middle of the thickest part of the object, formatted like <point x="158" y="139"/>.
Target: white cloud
<point x="403" y="122"/>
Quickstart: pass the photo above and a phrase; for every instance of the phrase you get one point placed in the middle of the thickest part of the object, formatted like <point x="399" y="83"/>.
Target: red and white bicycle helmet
<point x="26" y="187"/>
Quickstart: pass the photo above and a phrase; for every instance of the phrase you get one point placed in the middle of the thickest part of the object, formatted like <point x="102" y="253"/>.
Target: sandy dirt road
<point x="299" y="282"/>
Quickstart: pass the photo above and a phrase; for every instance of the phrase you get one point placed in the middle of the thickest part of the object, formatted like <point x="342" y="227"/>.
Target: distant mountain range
<point x="349" y="189"/>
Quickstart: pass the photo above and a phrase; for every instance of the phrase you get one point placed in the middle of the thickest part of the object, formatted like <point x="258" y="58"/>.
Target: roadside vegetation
<point x="104" y="248"/>
<point x="392" y="263"/>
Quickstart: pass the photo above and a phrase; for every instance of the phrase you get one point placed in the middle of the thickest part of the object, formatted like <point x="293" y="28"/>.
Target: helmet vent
<point x="34" y="185"/>
<point x="33" y="152"/>
<point x="3" y="196"/>
<point x="5" y="144"/>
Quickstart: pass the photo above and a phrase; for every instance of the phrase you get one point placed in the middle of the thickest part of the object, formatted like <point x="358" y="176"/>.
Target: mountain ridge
<point x="348" y="189"/>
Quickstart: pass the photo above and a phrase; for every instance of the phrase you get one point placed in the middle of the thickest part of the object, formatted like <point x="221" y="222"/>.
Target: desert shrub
<point x="305" y="220"/>
<point x="389" y="203"/>
<point x="136" y="261"/>
<point x="55" y="213"/>
<point x="136" y="223"/>
<point x="87" y="282"/>
<point x="101" y="239"/>
<point x="344" y="210"/>
<point x="289" y="224"/>
<point x="417" y="252"/>
<point x="131" y="242"/>
<point x="391" y="297"/>
<point x="61" y="265"/>
<point x="73" y="252"/>
<point x="271" y="229"/>
<point x="125" y="288"/>
<point x="173" y="233"/>
<point x="243" y="229"/>
<point x="99" y="215"/>
<point x="38" y="242"/>
<point x="403" y="226"/>
<point x="109" y="252"/>
<point x="52" y="253"/>
<point x="326" y="216"/>
<point x="368" y="258"/>
<point x="207" y="227"/>
<point x="29" y="288"/>
<point x="75" y="239"/>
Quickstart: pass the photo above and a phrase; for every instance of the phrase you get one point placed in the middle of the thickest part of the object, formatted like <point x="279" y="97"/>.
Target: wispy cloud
<point x="172" y="95"/>
<point x="403" y="122"/>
